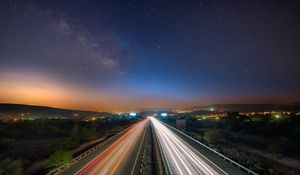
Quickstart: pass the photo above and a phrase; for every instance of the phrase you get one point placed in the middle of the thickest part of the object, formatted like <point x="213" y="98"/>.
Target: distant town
<point x="16" y="112"/>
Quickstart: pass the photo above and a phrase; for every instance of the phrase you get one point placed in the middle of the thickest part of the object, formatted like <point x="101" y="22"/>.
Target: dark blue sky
<point x="134" y="54"/>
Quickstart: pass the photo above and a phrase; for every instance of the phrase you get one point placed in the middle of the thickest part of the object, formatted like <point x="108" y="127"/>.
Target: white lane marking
<point x="186" y="153"/>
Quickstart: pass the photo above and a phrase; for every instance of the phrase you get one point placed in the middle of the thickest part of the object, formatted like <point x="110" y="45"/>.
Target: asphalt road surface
<point x="121" y="157"/>
<point x="180" y="154"/>
<point x="181" y="158"/>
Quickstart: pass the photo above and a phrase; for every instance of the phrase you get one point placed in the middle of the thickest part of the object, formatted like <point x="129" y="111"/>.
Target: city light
<point x="211" y="109"/>
<point x="132" y="114"/>
<point x="277" y="116"/>
<point x="164" y="114"/>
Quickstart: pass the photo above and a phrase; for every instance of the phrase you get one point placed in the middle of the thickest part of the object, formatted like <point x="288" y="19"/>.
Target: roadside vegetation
<point x="264" y="143"/>
<point x="24" y="143"/>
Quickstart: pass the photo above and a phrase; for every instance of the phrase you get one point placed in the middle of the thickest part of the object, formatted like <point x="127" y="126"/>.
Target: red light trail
<point x="110" y="161"/>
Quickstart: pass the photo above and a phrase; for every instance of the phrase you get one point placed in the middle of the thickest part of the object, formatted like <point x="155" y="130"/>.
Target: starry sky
<point x="128" y="55"/>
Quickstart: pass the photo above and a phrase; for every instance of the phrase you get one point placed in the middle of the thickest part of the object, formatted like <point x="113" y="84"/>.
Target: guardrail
<point x="247" y="170"/>
<point x="76" y="159"/>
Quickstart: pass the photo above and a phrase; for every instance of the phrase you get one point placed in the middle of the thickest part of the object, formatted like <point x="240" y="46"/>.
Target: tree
<point x="87" y="133"/>
<point x="213" y="136"/>
<point x="116" y="129"/>
<point x="275" y="148"/>
<point x="296" y="133"/>
<point x="6" y="143"/>
<point x="58" y="158"/>
<point x="74" y="133"/>
<point x="10" y="167"/>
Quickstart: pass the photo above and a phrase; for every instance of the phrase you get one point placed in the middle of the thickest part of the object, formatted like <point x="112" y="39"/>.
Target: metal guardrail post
<point x="79" y="157"/>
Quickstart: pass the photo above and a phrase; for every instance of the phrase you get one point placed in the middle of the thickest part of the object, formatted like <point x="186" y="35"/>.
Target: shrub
<point x="214" y="136"/>
<point x="58" y="158"/>
<point x="10" y="167"/>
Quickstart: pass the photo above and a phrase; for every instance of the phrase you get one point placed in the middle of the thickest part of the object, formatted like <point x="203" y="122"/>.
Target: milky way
<point x="125" y="55"/>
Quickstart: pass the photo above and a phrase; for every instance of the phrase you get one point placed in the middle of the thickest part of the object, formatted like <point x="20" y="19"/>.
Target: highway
<point x="121" y="157"/>
<point x="180" y="158"/>
<point x="179" y="154"/>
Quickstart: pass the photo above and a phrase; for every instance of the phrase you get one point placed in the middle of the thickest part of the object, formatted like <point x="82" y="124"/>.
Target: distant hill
<point x="250" y="107"/>
<point x="43" y="111"/>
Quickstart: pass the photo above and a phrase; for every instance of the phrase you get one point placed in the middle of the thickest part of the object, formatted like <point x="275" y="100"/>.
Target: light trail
<point x="113" y="159"/>
<point x="180" y="157"/>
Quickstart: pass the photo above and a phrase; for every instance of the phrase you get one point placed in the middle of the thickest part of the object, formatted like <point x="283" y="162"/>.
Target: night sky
<point x="117" y="55"/>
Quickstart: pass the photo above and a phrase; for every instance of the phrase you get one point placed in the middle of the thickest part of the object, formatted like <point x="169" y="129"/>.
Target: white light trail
<point x="181" y="158"/>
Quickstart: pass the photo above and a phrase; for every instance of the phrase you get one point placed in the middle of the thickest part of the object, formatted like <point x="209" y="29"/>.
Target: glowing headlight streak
<point x="110" y="160"/>
<point x="181" y="158"/>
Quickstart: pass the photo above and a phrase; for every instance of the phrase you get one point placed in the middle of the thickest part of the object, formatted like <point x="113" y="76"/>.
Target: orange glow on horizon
<point x="44" y="90"/>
